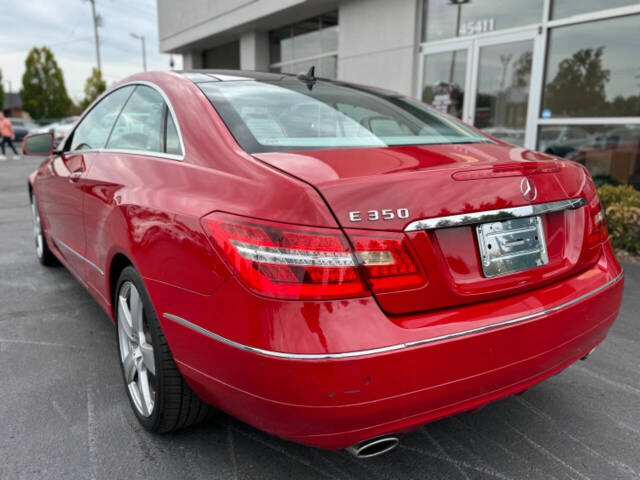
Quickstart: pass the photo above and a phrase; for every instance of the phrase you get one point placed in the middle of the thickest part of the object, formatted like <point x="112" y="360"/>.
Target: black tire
<point x="176" y="406"/>
<point x="44" y="254"/>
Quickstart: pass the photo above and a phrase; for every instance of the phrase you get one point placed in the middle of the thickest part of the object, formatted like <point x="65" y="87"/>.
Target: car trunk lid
<point x="388" y="189"/>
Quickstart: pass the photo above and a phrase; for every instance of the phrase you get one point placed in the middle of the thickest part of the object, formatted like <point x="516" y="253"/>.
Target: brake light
<point x="311" y="263"/>
<point x="280" y="260"/>
<point x="501" y="171"/>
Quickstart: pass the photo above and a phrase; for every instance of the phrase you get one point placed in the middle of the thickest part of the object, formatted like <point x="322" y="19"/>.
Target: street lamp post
<point x="459" y="4"/>
<point x="144" y="52"/>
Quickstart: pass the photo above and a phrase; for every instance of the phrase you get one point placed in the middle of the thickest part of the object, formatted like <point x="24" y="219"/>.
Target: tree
<point x="579" y="86"/>
<point x="94" y="86"/>
<point x="43" y="93"/>
<point x="522" y="69"/>
<point x="1" y="92"/>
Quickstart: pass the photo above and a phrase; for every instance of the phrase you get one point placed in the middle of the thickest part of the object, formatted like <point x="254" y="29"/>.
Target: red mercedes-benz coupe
<point x="331" y="263"/>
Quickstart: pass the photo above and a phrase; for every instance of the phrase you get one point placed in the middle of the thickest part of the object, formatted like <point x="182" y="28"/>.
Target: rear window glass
<point x="283" y="116"/>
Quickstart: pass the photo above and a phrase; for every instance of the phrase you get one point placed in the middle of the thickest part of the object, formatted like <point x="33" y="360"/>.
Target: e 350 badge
<point x="375" y="215"/>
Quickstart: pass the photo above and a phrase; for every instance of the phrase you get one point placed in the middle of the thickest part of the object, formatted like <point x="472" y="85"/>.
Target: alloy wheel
<point x="136" y="349"/>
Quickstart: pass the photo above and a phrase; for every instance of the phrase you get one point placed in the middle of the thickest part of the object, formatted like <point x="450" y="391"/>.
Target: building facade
<point x="561" y="76"/>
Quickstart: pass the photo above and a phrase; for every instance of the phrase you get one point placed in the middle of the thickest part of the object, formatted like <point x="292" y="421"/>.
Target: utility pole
<point x="96" y="24"/>
<point x="144" y="53"/>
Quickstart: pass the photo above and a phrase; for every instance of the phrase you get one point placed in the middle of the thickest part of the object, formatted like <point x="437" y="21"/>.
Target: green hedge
<point x="622" y="209"/>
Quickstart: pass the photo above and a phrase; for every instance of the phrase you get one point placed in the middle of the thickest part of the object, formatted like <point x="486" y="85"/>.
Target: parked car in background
<point x="611" y="156"/>
<point x="332" y="263"/>
<point x="563" y="140"/>
<point x="22" y="127"/>
<point x="60" y="129"/>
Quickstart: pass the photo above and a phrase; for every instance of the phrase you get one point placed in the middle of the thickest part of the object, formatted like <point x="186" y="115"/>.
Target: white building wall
<point x="192" y="60"/>
<point x="378" y="39"/>
<point x="378" y="42"/>
<point x="181" y="24"/>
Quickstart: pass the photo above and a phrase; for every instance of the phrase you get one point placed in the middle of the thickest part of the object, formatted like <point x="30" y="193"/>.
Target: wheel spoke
<point x="147" y="357"/>
<point x="125" y="314"/>
<point x="129" y="366"/>
<point x="138" y="362"/>
<point x="143" y="384"/>
<point x="136" y="310"/>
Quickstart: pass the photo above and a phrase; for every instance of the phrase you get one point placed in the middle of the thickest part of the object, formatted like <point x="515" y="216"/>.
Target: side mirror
<point x="40" y="144"/>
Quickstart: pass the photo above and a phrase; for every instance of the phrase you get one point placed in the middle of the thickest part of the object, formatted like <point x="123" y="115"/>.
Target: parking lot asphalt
<point x="64" y="413"/>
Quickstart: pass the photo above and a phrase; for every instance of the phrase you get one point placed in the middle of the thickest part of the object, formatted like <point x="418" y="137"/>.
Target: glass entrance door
<point x="485" y="82"/>
<point x="445" y="80"/>
<point x="502" y="90"/>
<point x="446" y="77"/>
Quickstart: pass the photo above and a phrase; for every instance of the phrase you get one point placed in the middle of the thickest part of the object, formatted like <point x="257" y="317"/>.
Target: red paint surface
<point x="151" y="211"/>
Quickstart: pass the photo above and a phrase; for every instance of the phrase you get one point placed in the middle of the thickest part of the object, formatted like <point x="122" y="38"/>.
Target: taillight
<point x="285" y="261"/>
<point x="598" y="226"/>
<point x="311" y="263"/>
<point x="387" y="261"/>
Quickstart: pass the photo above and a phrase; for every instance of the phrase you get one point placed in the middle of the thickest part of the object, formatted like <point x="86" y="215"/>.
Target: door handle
<point x="75" y="176"/>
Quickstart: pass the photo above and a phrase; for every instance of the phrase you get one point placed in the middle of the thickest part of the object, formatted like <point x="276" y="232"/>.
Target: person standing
<point x="8" y="136"/>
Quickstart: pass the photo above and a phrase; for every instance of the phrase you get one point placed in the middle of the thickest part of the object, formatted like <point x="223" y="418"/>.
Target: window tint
<point x="172" y="139"/>
<point x="139" y="126"/>
<point x="93" y="131"/>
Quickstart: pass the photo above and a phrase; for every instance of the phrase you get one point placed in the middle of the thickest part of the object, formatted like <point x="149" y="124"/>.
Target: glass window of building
<point x="504" y="75"/>
<point x="593" y="70"/>
<point x="611" y="153"/>
<point x="444" y="77"/>
<point x="567" y="8"/>
<point x="444" y="19"/>
<point x="294" y="48"/>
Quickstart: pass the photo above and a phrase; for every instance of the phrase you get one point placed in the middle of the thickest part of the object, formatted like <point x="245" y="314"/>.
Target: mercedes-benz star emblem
<point x="528" y="189"/>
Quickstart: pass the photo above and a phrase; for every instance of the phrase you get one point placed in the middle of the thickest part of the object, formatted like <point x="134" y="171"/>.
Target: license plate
<point x="511" y="246"/>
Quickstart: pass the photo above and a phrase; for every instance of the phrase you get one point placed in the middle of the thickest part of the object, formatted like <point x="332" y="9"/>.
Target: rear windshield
<point x="287" y="115"/>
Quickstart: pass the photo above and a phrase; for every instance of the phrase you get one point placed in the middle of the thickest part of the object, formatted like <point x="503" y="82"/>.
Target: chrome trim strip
<point x="73" y="252"/>
<point x="390" y="348"/>
<point x="495" y="215"/>
<point x="141" y="153"/>
<point x="286" y="256"/>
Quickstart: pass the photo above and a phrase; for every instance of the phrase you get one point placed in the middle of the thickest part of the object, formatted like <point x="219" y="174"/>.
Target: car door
<point x="66" y="186"/>
<point x="137" y="139"/>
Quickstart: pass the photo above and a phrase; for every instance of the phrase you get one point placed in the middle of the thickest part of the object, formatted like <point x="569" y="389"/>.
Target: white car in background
<point x="60" y="129"/>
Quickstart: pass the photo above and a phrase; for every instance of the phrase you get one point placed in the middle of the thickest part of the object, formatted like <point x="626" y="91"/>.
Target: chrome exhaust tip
<point x="374" y="447"/>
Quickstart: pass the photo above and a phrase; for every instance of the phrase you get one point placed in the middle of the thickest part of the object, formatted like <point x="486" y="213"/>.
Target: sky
<point x="66" y="26"/>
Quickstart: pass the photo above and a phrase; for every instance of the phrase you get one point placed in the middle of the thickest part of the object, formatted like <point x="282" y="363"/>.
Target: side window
<point x="139" y="126"/>
<point x="172" y="139"/>
<point x="93" y="131"/>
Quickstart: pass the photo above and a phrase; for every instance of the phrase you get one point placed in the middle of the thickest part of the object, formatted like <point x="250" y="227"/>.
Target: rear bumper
<point x="335" y="399"/>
